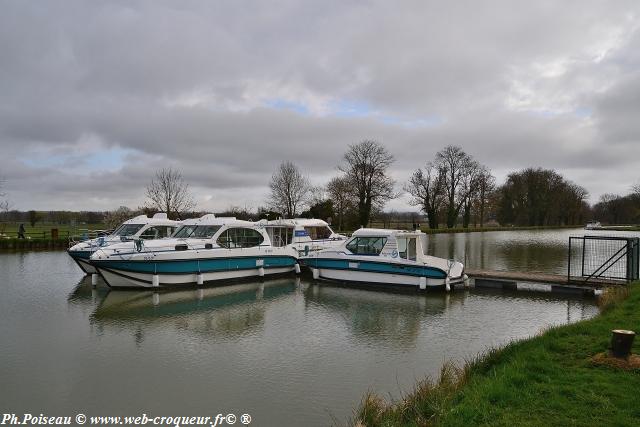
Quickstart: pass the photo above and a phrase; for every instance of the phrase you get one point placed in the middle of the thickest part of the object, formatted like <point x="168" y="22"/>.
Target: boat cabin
<point x="283" y="232"/>
<point x="407" y="245"/>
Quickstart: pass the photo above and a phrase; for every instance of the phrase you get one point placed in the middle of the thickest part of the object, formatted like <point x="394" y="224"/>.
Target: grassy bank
<point x="28" y="244"/>
<point x="547" y="380"/>
<point x="444" y="230"/>
<point x="484" y="229"/>
<point x="43" y="230"/>
<point x="620" y="228"/>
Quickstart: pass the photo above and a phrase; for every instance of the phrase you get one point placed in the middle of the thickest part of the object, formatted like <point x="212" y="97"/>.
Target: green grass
<point x="547" y="380"/>
<point x="11" y="229"/>
<point x="620" y="228"/>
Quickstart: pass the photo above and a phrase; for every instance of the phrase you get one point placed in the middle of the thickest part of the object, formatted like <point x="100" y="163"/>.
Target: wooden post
<point x="621" y="342"/>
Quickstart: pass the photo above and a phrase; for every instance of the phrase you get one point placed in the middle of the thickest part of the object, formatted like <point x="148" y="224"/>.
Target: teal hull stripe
<point x="193" y="266"/>
<point x="375" y="267"/>
<point x="80" y="254"/>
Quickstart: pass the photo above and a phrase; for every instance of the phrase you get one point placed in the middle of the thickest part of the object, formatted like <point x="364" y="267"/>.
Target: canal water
<point x="285" y="351"/>
<point x="544" y="251"/>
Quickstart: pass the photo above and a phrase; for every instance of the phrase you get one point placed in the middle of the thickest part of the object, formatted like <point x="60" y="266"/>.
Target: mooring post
<point x="621" y="342"/>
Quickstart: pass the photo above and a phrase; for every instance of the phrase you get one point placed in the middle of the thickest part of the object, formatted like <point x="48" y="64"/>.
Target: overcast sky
<point x="95" y="96"/>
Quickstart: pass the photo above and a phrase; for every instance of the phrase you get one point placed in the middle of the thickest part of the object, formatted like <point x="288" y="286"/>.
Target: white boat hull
<point x="127" y="279"/>
<point x="378" y="278"/>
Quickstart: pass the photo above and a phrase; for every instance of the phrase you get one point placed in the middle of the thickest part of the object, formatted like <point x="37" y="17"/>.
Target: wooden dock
<point x="538" y="281"/>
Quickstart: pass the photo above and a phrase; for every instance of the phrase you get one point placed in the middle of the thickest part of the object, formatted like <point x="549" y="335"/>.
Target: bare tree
<point x="455" y="163"/>
<point x="114" y="218"/>
<point x="427" y="189"/>
<point x="168" y="193"/>
<point x="635" y="189"/>
<point x="316" y="195"/>
<point x="340" y="193"/>
<point x="4" y="204"/>
<point x="486" y="184"/>
<point x="469" y="188"/>
<point x="289" y="189"/>
<point x="365" y="167"/>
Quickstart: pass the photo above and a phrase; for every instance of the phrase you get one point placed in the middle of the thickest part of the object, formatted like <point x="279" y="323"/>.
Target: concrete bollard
<point x="621" y="342"/>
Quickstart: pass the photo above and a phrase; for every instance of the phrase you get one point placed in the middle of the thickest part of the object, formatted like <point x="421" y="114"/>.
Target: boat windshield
<point x="196" y="231"/>
<point x="127" y="229"/>
<point x="366" y="245"/>
<point x="318" y="233"/>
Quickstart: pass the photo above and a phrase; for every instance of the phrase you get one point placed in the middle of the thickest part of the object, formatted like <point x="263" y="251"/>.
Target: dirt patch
<point x="631" y="363"/>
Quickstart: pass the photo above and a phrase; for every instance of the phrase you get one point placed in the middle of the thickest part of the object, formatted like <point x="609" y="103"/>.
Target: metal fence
<point x="603" y="257"/>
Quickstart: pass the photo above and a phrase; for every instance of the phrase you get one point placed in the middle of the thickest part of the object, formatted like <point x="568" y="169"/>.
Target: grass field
<point x="549" y="380"/>
<point x="43" y="230"/>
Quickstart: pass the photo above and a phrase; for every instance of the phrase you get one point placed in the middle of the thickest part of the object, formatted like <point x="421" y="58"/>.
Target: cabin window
<point x="366" y="245"/>
<point x="196" y="231"/>
<point x="407" y="248"/>
<point x="280" y="236"/>
<point x="184" y="231"/>
<point x="128" y="229"/>
<point x="318" y="233"/>
<point x="156" y="232"/>
<point x="205" y="231"/>
<point x="240" y="238"/>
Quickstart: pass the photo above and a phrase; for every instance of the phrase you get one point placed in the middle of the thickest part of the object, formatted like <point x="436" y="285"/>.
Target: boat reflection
<point x="85" y="295"/>
<point x="378" y="316"/>
<point x="226" y="311"/>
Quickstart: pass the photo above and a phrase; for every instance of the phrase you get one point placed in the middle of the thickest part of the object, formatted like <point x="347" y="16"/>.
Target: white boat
<point x="304" y="234"/>
<point x="203" y="250"/>
<point x="593" y="225"/>
<point x="391" y="257"/>
<point x="138" y="228"/>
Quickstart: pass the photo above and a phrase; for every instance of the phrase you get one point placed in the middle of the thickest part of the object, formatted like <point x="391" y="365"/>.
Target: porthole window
<point x="240" y="238"/>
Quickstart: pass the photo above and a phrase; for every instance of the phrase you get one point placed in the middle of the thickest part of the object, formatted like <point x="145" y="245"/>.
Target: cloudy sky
<point x="96" y="96"/>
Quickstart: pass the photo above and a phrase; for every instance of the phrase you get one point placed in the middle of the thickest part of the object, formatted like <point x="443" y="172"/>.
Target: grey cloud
<point x="187" y="85"/>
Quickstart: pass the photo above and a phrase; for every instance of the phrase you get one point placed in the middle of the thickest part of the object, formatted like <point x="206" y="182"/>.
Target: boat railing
<point x="84" y="234"/>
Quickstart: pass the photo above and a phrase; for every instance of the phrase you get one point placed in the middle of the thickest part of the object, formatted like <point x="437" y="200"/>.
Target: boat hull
<point x="82" y="259"/>
<point x="140" y="274"/>
<point x="380" y="273"/>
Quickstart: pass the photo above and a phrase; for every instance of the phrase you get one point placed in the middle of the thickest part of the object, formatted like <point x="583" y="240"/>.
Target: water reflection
<point x="85" y="295"/>
<point x="251" y="346"/>
<point x="527" y="250"/>
<point x="224" y="311"/>
<point x="379" y="316"/>
<point x="536" y="256"/>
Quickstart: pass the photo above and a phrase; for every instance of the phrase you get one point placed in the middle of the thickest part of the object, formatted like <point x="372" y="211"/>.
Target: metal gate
<point x="603" y="257"/>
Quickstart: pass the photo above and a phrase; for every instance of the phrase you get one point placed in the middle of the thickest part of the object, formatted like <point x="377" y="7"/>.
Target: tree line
<point x="452" y="189"/>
